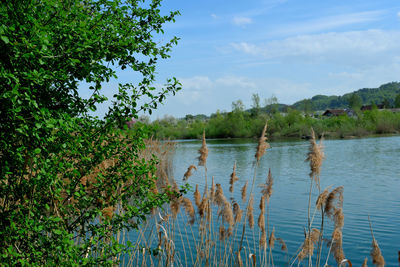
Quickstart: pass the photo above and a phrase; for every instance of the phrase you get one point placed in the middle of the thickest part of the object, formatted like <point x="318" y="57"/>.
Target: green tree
<point x="238" y="106"/>
<point x="355" y="101"/>
<point x="397" y="101"/>
<point x="64" y="171"/>
<point x="271" y="104"/>
<point x="386" y="103"/>
<point x="255" y="107"/>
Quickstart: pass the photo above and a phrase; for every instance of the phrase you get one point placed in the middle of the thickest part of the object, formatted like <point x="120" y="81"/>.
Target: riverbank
<point x="291" y="125"/>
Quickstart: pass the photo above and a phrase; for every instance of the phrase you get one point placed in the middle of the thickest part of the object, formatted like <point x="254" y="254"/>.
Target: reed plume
<point x="250" y="215"/>
<point x="335" y="196"/>
<point x="283" y="244"/>
<point x="267" y="187"/>
<point x="227" y="213"/>
<point x="203" y="151"/>
<point x="338" y="218"/>
<point x="175" y="204"/>
<point x="222" y="233"/>
<point x="203" y="207"/>
<point x="234" y="178"/>
<point x="237" y="212"/>
<point x="261" y="221"/>
<point x="308" y="244"/>
<point x="315" y="156"/>
<point x="244" y="191"/>
<point x="187" y="204"/>
<point x="321" y="200"/>
<point x="337" y="246"/>
<point x="272" y="238"/>
<point x="376" y="254"/>
<point x="262" y="144"/>
<point x="220" y="199"/>
<point x="365" y="262"/>
<point x="197" y="196"/>
<point x="262" y="204"/>
<point x="263" y="238"/>
<point x="189" y="173"/>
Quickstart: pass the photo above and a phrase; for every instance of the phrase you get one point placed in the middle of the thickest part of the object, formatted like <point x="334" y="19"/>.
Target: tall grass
<point x="211" y="229"/>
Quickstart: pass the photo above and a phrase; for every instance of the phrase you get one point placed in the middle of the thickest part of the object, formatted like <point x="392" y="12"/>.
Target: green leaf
<point x="5" y="39"/>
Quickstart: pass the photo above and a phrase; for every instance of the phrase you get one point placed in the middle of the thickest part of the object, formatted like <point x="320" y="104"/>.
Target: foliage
<point x="368" y="95"/>
<point x="69" y="180"/>
<point x="293" y="123"/>
<point x="355" y="101"/>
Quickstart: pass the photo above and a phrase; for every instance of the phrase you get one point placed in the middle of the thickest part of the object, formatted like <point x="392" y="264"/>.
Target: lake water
<point x="369" y="170"/>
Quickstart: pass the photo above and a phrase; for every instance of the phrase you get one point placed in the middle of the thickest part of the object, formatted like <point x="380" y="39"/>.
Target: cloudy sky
<point x="292" y="49"/>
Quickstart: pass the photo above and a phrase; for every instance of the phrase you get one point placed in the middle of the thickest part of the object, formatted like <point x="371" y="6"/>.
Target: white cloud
<point x="196" y="82"/>
<point x="241" y="21"/>
<point x="398" y="15"/>
<point x="328" y="23"/>
<point x="348" y="48"/>
<point x="214" y="16"/>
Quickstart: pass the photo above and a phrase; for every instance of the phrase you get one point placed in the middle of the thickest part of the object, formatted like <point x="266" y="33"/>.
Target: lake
<point x="368" y="169"/>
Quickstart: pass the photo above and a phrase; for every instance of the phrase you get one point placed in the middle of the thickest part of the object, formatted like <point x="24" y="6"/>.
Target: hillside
<point x="387" y="91"/>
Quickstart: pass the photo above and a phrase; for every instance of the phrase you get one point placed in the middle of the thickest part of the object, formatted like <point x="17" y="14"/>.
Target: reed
<point x="216" y="234"/>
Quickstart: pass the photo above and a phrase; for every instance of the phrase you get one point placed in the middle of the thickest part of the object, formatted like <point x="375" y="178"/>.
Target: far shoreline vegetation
<point x="366" y="112"/>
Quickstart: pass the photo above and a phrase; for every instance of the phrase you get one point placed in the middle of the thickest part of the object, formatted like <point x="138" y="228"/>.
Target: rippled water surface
<point x="369" y="170"/>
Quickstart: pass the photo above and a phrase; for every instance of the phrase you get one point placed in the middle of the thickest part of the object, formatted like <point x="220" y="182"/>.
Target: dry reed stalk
<point x="197" y="197"/>
<point x="239" y="260"/>
<point x="187" y="204"/>
<point x="203" y="152"/>
<point x="244" y="191"/>
<point x="308" y="244"/>
<point x="376" y="254"/>
<point x="212" y="190"/>
<point x="250" y="215"/>
<point x="315" y="157"/>
<point x="234" y="178"/>
<point x="365" y="262"/>
<point x="262" y="144"/>
<point x="237" y="212"/>
<point x="267" y="187"/>
<point x="189" y="173"/>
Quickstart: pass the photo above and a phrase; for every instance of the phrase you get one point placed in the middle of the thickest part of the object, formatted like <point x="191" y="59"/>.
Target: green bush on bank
<point x="242" y="124"/>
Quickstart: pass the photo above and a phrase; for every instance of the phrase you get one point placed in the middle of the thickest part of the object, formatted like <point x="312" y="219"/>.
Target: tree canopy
<point x="64" y="171"/>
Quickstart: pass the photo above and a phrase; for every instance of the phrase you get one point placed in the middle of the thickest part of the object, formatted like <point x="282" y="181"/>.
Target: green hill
<point x="387" y="91"/>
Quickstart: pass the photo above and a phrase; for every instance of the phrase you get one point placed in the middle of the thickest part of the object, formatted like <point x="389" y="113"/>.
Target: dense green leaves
<point x="64" y="172"/>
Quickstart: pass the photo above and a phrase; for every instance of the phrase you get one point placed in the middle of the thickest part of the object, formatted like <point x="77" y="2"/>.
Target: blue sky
<point x="292" y="49"/>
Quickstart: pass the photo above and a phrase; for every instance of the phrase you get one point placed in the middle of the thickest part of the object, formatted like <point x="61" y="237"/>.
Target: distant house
<point x="369" y="107"/>
<point x="334" y="112"/>
<point x="338" y="112"/>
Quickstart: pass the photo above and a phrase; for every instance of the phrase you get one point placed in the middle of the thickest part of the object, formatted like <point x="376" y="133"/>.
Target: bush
<point x="68" y="179"/>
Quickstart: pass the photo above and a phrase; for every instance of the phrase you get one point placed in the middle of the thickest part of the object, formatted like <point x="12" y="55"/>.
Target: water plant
<point x="223" y="232"/>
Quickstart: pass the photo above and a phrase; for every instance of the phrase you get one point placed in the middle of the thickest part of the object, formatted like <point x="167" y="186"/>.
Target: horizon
<point x="283" y="48"/>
